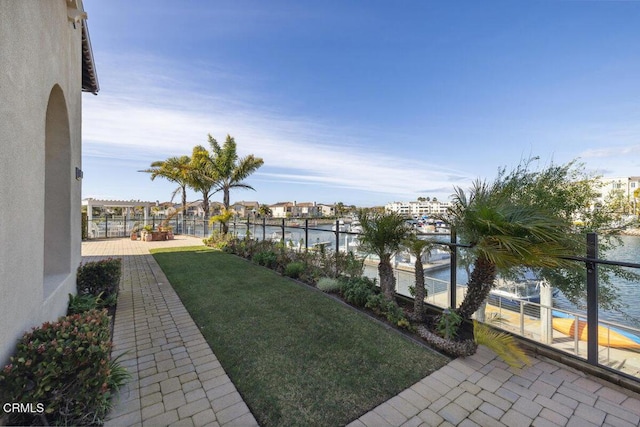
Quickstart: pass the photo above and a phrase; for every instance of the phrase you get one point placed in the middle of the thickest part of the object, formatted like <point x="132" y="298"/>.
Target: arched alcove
<point x="57" y="192"/>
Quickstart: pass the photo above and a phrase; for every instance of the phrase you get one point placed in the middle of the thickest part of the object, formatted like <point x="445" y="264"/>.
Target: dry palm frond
<point x="502" y="343"/>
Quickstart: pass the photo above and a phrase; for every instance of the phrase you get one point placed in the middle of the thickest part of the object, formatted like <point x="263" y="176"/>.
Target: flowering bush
<point x="64" y="366"/>
<point x="99" y="277"/>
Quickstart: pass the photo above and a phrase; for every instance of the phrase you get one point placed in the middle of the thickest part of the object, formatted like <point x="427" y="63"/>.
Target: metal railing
<point x="525" y="319"/>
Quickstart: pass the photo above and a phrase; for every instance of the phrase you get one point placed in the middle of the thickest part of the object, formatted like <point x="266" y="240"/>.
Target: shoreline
<point x="630" y="232"/>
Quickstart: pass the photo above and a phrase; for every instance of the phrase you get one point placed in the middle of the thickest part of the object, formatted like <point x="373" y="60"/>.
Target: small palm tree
<point x="504" y="235"/>
<point x="418" y="247"/>
<point x="223" y="217"/>
<point x="382" y="235"/>
<point x="264" y="210"/>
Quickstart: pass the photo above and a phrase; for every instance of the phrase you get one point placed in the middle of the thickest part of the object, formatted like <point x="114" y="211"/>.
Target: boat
<point x="511" y="293"/>
<point x="277" y="236"/>
<point x="607" y="336"/>
<point x="355" y="227"/>
<point x="341" y="227"/>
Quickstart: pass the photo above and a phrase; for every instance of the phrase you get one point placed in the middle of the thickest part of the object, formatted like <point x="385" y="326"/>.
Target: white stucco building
<point x="418" y="208"/>
<point x="46" y="63"/>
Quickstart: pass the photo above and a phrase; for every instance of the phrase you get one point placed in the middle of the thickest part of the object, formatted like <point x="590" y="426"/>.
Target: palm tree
<point x="504" y="235"/>
<point x="264" y="210"/>
<point x="228" y="170"/>
<point x="174" y="169"/>
<point x="202" y="177"/>
<point x="418" y="247"/>
<point x="382" y="234"/>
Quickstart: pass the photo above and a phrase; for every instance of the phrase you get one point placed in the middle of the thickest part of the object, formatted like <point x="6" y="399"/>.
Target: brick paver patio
<point x="177" y="379"/>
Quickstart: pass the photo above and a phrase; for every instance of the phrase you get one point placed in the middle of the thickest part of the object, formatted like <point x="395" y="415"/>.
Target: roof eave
<point x="89" y="75"/>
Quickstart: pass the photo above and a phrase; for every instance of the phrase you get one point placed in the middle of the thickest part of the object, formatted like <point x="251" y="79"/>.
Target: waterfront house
<point x="308" y="210"/>
<point x="296" y="210"/>
<point x="46" y="64"/>
<point x="281" y="210"/>
<point x="244" y="209"/>
<point x="326" y="210"/>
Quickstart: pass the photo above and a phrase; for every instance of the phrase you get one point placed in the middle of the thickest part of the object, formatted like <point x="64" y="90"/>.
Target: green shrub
<point x="328" y="284"/>
<point x="382" y="306"/>
<point x="448" y="324"/>
<point x="268" y="259"/>
<point x="99" y="277"/>
<point x="356" y="290"/>
<point x="294" y="269"/>
<point x="218" y="240"/>
<point x="82" y="303"/>
<point x="65" y="366"/>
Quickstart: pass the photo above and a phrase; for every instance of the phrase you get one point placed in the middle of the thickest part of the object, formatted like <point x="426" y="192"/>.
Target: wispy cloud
<point x="152" y="115"/>
<point x="611" y="151"/>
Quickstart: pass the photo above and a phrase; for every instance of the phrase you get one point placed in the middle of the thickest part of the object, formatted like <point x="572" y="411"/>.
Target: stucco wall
<point x="40" y="49"/>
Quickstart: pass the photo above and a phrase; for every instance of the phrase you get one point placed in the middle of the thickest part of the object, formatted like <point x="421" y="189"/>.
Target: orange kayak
<point x="609" y="337"/>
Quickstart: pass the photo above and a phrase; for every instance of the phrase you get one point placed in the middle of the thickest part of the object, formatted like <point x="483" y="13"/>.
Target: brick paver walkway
<point x="482" y="390"/>
<point x="177" y="379"/>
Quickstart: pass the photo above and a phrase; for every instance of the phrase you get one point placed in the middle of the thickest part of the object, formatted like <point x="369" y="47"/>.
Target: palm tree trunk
<point x="387" y="279"/>
<point x="418" y="303"/>
<point x="184" y="207"/>
<point x="226" y="203"/>
<point x="480" y="283"/>
<point x="205" y="207"/>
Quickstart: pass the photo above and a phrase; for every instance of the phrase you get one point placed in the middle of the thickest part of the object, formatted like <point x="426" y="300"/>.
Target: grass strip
<point x="297" y="357"/>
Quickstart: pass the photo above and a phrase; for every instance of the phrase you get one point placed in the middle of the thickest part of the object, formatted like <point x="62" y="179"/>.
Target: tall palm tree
<point x="504" y="235"/>
<point x="202" y="177"/>
<point x="382" y="234"/>
<point x="174" y="169"/>
<point x="418" y="247"/>
<point x="229" y="170"/>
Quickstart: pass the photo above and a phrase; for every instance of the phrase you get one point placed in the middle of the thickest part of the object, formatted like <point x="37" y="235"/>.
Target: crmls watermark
<point x="23" y="408"/>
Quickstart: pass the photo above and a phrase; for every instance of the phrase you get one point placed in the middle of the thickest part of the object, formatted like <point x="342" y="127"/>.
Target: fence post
<point x="264" y="228"/>
<point x="106" y="225"/>
<point x="592" y="299"/>
<point x="306" y="235"/>
<point x="283" y="230"/>
<point x="453" y="265"/>
<point x="337" y="236"/>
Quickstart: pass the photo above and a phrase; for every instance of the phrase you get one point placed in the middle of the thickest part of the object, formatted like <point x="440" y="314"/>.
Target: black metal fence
<point x="443" y="288"/>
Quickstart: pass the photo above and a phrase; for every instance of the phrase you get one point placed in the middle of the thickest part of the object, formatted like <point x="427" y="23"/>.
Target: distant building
<point x="628" y="188"/>
<point x="244" y="209"/>
<point x="307" y="210"/>
<point x="418" y="208"/>
<point x="327" y="210"/>
<point x="296" y="210"/>
<point x="281" y="209"/>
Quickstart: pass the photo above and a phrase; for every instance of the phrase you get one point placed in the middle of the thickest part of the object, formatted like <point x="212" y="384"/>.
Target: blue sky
<point x="363" y="102"/>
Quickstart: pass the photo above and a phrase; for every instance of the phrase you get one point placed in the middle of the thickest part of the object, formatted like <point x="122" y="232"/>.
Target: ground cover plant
<point x="297" y="356"/>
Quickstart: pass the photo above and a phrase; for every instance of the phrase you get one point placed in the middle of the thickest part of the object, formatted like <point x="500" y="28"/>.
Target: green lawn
<point x="297" y="357"/>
